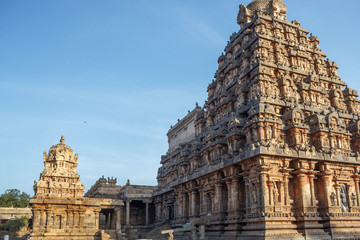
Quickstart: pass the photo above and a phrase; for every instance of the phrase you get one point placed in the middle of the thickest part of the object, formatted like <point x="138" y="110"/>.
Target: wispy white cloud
<point x="197" y="29"/>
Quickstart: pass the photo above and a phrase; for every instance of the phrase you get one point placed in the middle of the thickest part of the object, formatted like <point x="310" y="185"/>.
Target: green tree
<point x="16" y="224"/>
<point x="14" y="198"/>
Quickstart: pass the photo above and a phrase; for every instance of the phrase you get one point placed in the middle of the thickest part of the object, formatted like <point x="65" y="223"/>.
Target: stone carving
<point x="60" y="162"/>
<point x="254" y="194"/>
<point x="353" y="199"/>
<point x="333" y="199"/>
<point x="276" y="193"/>
<point x="280" y="136"/>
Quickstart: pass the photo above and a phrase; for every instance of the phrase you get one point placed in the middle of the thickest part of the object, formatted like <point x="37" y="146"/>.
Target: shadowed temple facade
<point x="273" y="153"/>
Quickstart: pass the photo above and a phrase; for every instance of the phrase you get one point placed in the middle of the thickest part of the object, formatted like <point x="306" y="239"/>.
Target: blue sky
<point x="130" y="69"/>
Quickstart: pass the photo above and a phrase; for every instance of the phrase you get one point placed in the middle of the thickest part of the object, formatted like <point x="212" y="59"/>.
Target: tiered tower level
<point x="275" y="151"/>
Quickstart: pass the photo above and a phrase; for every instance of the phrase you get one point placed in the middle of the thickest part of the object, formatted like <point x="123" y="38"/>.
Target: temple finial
<point x="62" y="140"/>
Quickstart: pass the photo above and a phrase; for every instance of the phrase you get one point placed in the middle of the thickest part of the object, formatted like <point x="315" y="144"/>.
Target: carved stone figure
<point x="276" y="192"/>
<point x="254" y="194"/>
<point x="333" y="199"/>
<point x="353" y="199"/>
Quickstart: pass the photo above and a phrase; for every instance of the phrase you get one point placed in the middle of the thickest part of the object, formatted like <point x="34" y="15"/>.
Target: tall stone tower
<point x="275" y="150"/>
<point x="60" y="212"/>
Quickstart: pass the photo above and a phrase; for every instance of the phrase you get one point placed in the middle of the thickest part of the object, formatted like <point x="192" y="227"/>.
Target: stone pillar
<point x="70" y="218"/>
<point x="247" y="194"/>
<point x="48" y="219"/>
<point x="264" y="189"/>
<point x="63" y="220"/>
<point x="76" y="219"/>
<point x="286" y="188"/>
<point x="81" y="218"/>
<point x="356" y="180"/>
<point x="184" y="205"/>
<point x="42" y="219"/>
<point x="36" y="220"/>
<point x="327" y="189"/>
<point x="96" y="213"/>
<point x="338" y="200"/>
<point x="202" y="202"/>
<point x="158" y="212"/>
<point x="147" y="214"/>
<point x="229" y="196"/>
<point x="282" y="193"/>
<point x="312" y="189"/>
<point x="271" y="195"/>
<point x="302" y="193"/>
<point x="127" y="213"/>
<point x="180" y="202"/>
<point x="113" y="220"/>
<point x="118" y="218"/>
<point x="235" y="193"/>
<point x="192" y="201"/>
<point x="218" y="196"/>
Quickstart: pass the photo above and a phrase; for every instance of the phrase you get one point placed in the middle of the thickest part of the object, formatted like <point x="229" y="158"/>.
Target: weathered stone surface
<point x="108" y="211"/>
<point x="275" y="149"/>
<point x="9" y="213"/>
<point x="59" y="209"/>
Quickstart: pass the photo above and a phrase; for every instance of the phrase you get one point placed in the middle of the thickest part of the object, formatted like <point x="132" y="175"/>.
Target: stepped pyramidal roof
<point x="274" y="151"/>
<point x="275" y="92"/>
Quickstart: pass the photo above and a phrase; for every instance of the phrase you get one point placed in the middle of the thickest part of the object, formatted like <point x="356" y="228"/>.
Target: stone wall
<point x="275" y="151"/>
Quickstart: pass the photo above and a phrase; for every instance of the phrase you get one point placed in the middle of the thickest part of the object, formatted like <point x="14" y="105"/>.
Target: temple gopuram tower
<point x="60" y="212"/>
<point x="274" y="152"/>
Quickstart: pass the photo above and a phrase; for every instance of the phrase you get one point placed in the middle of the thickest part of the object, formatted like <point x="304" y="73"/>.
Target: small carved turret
<point x="59" y="179"/>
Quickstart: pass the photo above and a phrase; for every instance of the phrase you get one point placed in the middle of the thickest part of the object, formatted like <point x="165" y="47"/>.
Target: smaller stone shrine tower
<point x="59" y="209"/>
<point x="60" y="178"/>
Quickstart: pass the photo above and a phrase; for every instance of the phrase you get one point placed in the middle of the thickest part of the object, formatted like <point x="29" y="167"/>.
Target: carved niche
<point x="296" y="128"/>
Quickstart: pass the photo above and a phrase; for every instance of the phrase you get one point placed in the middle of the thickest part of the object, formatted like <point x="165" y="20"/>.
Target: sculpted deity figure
<point x="333" y="142"/>
<point x="320" y="68"/>
<point x="339" y="142"/>
<point x="280" y="58"/>
<point x="294" y="62"/>
<point x="249" y="135"/>
<point x="333" y="72"/>
<point x="291" y="37"/>
<point x="276" y="193"/>
<point x="286" y="91"/>
<point x="302" y="64"/>
<point x="254" y="194"/>
<point x="269" y="132"/>
<point x="325" y="141"/>
<point x="333" y="199"/>
<point x="301" y="140"/>
<point x="346" y="144"/>
<point x="306" y="97"/>
<point x="353" y="199"/>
